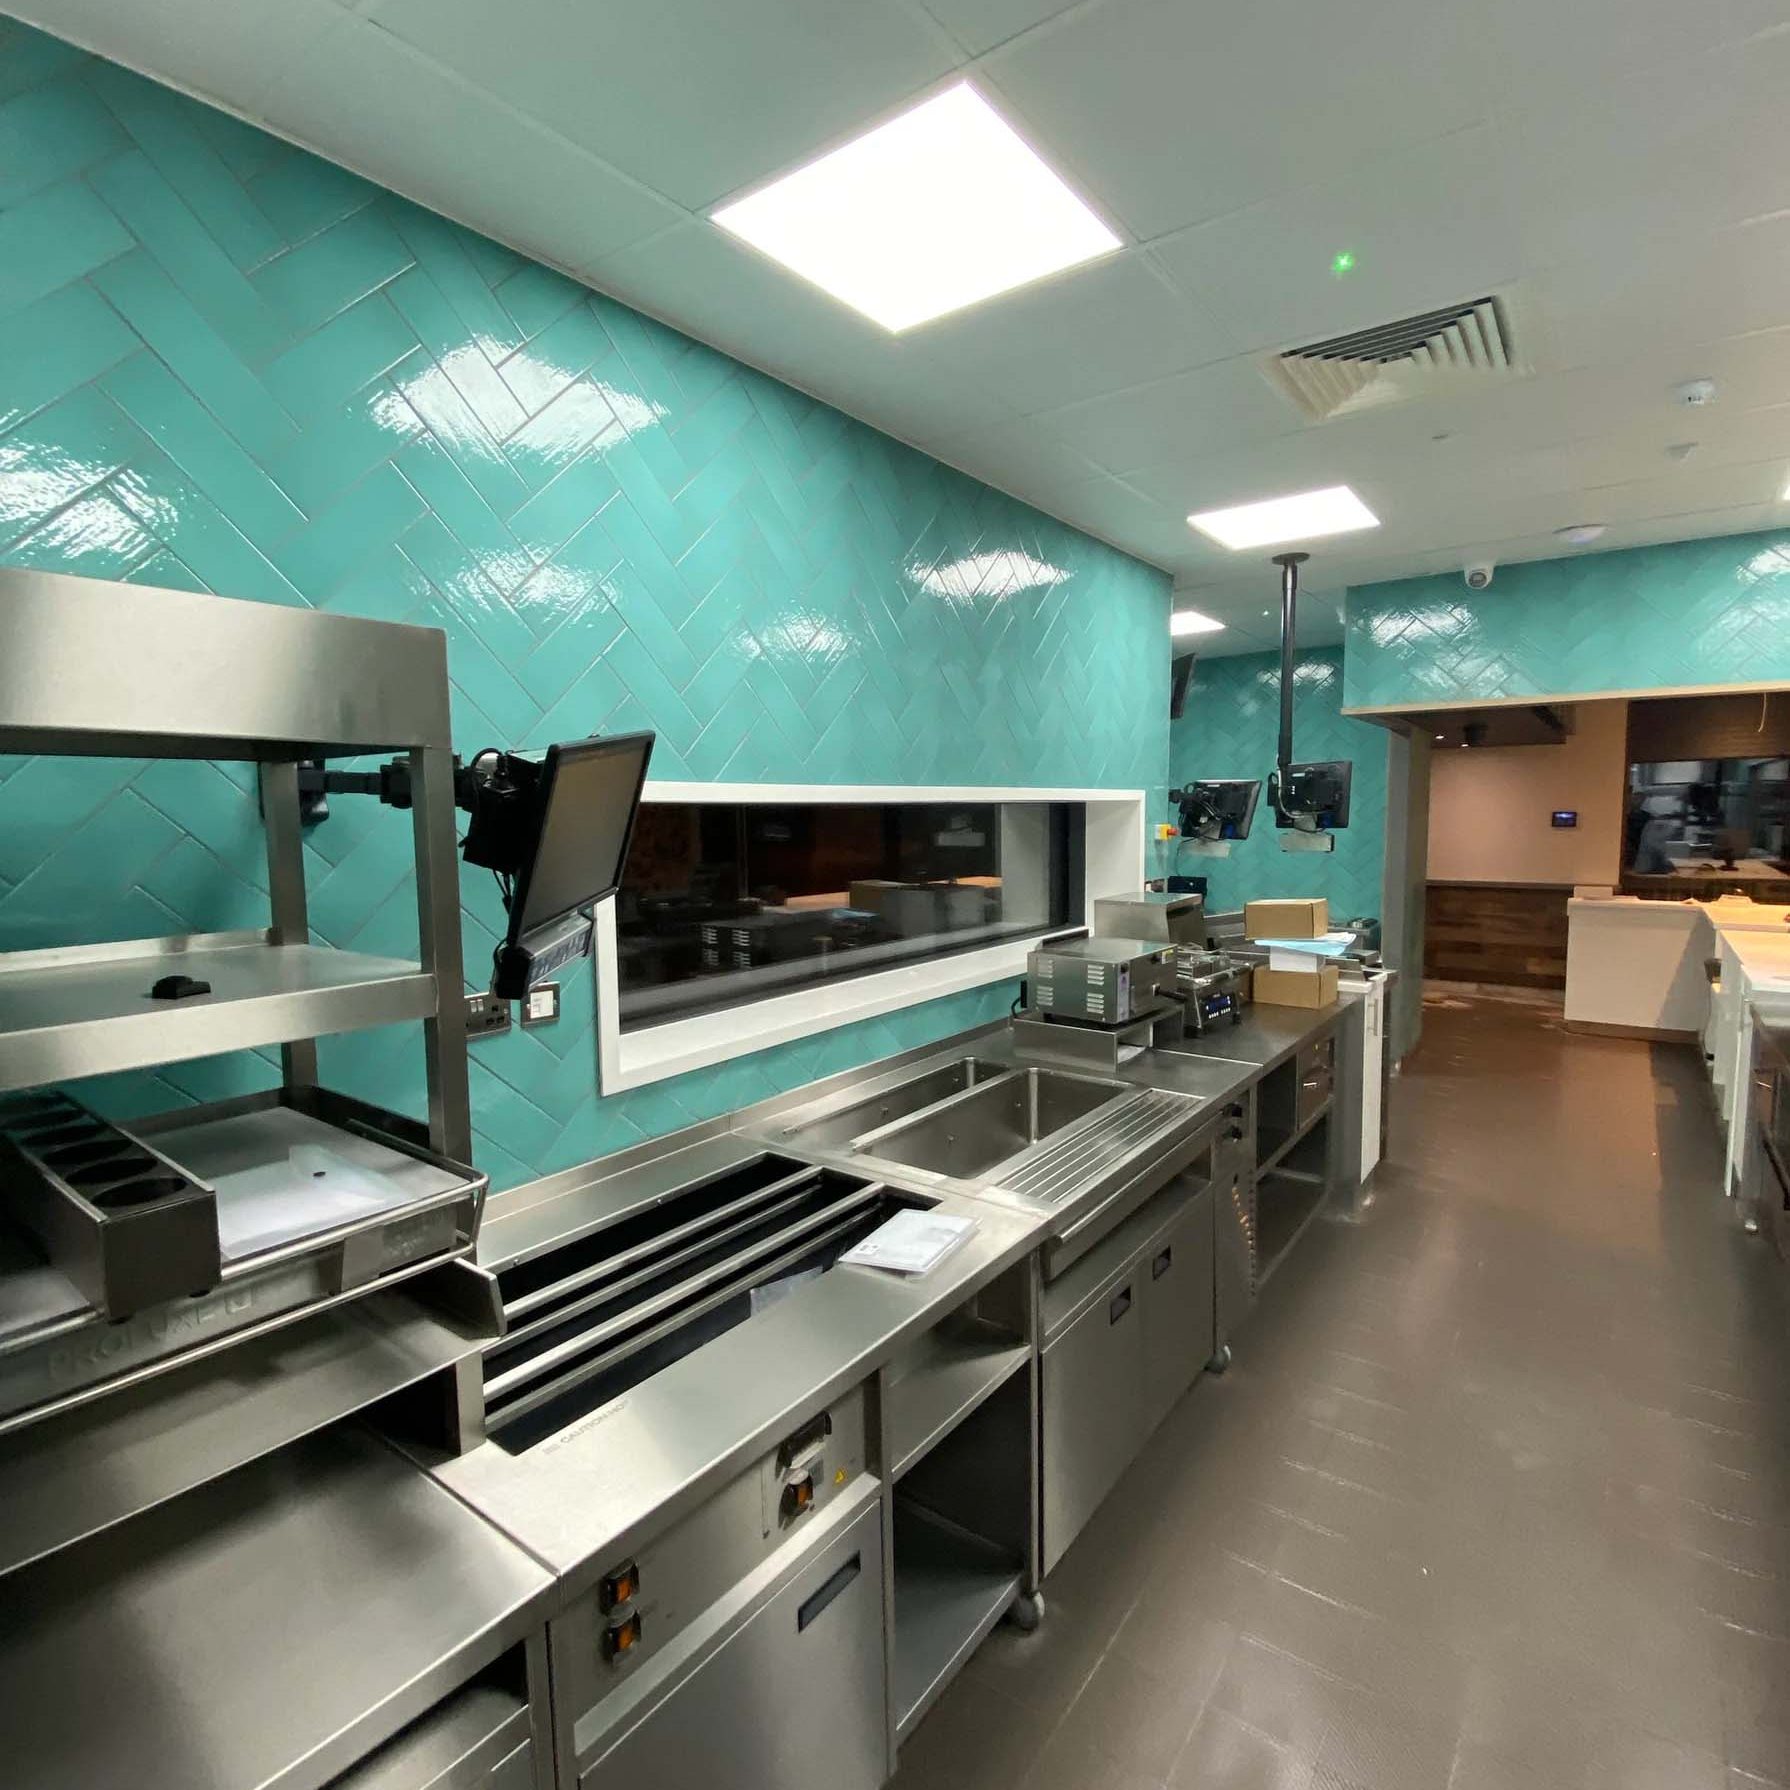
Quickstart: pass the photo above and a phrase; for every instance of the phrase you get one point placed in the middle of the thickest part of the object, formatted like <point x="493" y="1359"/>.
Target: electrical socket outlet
<point x="486" y="1016"/>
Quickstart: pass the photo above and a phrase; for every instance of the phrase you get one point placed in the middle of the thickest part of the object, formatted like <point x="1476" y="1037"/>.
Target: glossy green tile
<point x="165" y="128"/>
<point x="1229" y="728"/>
<point x="437" y="326"/>
<point x="614" y="525"/>
<point x="188" y="253"/>
<point x="456" y="426"/>
<point x="326" y="368"/>
<point x="54" y="237"/>
<point x="323" y="276"/>
<point x="365" y="519"/>
<point x="302" y="194"/>
<point x="204" y="362"/>
<point x="175" y="513"/>
<point x="60" y="453"/>
<point x="168" y="413"/>
<point x="1687" y="615"/>
<point x="62" y="341"/>
<point x="343" y="444"/>
<point x="52" y="134"/>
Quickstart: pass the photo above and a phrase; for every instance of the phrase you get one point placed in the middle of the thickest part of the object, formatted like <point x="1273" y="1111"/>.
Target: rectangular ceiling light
<point x="935" y="210"/>
<point x="1279" y="521"/>
<point x="1190" y="621"/>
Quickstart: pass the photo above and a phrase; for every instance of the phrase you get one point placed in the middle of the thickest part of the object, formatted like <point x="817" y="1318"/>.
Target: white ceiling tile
<point x="726" y="294"/>
<point x="1172" y="113"/>
<point x="1669" y="291"/>
<point x="228" y="53"/>
<point x="981" y="24"/>
<point x="698" y="98"/>
<point x="1657" y="155"/>
<point x="1428" y="226"/>
<point x="1089" y="331"/>
<point x="360" y="96"/>
<point x="1016" y="450"/>
<point x="1538" y="52"/>
<point x="1209" y="408"/>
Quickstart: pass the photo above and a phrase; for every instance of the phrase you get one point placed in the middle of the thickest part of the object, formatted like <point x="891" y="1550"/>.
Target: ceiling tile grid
<point x="227" y="366"/>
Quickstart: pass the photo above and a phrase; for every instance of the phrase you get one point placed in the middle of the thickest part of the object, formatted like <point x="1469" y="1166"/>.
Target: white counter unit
<point x="1636" y="966"/>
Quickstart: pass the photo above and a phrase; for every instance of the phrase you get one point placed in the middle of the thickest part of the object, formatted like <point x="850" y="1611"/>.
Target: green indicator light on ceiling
<point x="1342" y="262"/>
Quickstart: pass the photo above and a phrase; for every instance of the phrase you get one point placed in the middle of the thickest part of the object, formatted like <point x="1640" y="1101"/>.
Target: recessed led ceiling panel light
<point x="937" y="209"/>
<point x="1190" y="621"/>
<point x="1276" y="521"/>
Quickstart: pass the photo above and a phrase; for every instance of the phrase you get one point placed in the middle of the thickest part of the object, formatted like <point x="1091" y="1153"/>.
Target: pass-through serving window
<point x="724" y="902"/>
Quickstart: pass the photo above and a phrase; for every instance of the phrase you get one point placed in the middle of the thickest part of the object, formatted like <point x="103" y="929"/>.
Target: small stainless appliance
<point x="1213" y="987"/>
<point x="1178" y="919"/>
<point x="1108" y="981"/>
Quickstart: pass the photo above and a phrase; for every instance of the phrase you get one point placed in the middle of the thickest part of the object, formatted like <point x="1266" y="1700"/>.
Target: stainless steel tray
<point x="319" y="1199"/>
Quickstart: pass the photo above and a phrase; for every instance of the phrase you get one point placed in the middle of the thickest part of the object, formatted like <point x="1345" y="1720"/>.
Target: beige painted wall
<point x="1490" y="807"/>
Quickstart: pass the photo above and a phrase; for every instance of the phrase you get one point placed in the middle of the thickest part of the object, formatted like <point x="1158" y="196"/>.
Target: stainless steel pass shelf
<point x="87" y="1010"/>
<point x="950" y="1590"/>
<point x="73" y="1476"/>
<point x="941" y="1380"/>
<point x="266" y="1631"/>
<point x="316" y="1203"/>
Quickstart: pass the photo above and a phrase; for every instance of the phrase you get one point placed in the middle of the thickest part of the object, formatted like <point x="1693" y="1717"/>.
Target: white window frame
<point x="1114" y="863"/>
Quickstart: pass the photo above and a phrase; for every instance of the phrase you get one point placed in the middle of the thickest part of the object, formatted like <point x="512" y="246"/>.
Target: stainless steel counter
<point x="593" y="1491"/>
<point x="590" y="1493"/>
<point x="264" y="1631"/>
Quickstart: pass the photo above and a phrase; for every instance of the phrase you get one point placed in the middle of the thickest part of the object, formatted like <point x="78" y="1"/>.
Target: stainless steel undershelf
<point x="87" y="1010"/>
<point x="948" y="1374"/>
<point x="73" y="1476"/>
<point x="950" y="1590"/>
<point x="264" y="1632"/>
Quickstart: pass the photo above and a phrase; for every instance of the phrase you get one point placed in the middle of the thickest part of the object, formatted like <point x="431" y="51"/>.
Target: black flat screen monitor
<point x="588" y="795"/>
<point x="1319" y="789"/>
<point x="1229" y="801"/>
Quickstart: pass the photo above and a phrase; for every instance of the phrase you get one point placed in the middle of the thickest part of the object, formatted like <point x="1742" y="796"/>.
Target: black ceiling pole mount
<point x="1289" y="564"/>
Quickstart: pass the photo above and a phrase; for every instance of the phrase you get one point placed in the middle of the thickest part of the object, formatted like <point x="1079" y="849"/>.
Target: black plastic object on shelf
<point x="126" y="1225"/>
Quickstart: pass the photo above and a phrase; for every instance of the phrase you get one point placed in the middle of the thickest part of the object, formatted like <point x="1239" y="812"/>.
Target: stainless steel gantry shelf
<point x="320" y="1198"/>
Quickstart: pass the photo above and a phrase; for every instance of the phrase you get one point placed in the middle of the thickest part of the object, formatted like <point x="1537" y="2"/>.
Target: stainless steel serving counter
<point x="269" y="1628"/>
<point x="593" y="1491"/>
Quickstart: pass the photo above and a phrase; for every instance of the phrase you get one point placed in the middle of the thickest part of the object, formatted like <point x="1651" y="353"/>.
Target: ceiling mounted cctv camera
<point x="1479" y="576"/>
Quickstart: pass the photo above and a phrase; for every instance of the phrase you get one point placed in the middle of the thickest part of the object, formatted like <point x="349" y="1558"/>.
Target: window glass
<point x="729" y="902"/>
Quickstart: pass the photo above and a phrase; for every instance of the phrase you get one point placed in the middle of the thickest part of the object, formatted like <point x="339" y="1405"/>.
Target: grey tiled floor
<point x="1494" y="1498"/>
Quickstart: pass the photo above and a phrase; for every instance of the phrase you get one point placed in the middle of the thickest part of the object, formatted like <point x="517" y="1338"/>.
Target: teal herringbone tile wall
<point x="1229" y="728"/>
<point x="1690" y="614"/>
<point x="229" y="366"/>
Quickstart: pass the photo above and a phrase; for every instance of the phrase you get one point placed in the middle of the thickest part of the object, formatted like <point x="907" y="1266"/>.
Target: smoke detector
<point x="1411" y="357"/>
<point x="1695" y="393"/>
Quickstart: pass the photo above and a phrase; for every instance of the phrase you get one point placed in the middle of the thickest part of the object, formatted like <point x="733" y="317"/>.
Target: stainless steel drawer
<point x="1176" y="1285"/>
<point x="1093" y="1409"/>
<point x="784" y="1685"/>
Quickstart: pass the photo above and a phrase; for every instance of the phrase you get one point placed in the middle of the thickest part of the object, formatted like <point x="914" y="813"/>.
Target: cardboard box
<point x="1297" y="988"/>
<point x="1306" y="918"/>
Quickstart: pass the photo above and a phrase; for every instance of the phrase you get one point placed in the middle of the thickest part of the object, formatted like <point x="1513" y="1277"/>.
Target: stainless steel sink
<point x="836" y="1130"/>
<point x="967" y="1136"/>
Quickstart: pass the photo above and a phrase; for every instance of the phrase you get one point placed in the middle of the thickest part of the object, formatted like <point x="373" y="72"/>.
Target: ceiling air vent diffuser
<point x="1413" y="357"/>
